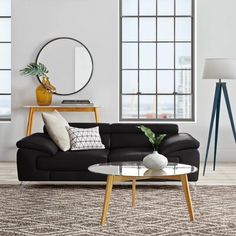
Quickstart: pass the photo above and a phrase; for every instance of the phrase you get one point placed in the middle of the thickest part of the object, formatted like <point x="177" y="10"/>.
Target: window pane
<point x="5" y="106"/>
<point x="183" y="29"/>
<point x="147" y="107"/>
<point x="5" y="29"/>
<point x="130" y="106"/>
<point x="165" y="107"/>
<point x="5" y="56"/>
<point x="147" y="29"/>
<point x="147" y="81"/>
<point x="165" y="7"/>
<point x="130" y="29"/>
<point x="165" y="81"/>
<point x="183" y="55"/>
<point x="165" y="27"/>
<point x="183" y="106"/>
<point x="5" y="81"/>
<point x="156" y="68"/>
<point x="165" y="55"/>
<point x="147" y="55"/>
<point x="183" y="81"/>
<point x="130" y="55"/>
<point x="130" y="81"/>
<point x="183" y="7"/>
<point x="147" y="7"/>
<point x="130" y="7"/>
<point x="5" y="7"/>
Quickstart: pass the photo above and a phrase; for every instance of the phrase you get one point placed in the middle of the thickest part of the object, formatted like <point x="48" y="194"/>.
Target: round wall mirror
<point x="69" y="62"/>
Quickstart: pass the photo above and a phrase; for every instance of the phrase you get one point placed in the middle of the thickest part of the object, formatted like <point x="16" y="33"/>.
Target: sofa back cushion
<point x="104" y="130"/>
<point x="128" y="135"/>
<point x="121" y="135"/>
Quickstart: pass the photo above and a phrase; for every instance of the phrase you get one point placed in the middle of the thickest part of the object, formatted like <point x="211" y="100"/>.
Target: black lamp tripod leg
<point x="217" y="90"/>
<point x="217" y="124"/>
<point x="229" y="109"/>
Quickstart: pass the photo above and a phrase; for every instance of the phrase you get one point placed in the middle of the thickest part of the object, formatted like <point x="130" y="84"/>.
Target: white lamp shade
<point x="220" y="68"/>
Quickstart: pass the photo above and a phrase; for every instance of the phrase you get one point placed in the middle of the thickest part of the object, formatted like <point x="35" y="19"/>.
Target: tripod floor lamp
<point x="219" y="68"/>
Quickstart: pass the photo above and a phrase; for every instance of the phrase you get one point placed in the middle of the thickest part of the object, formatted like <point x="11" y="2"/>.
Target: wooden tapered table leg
<point x="96" y="112"/>
<point x="30" y="121"/>
<point x="184" y="180"/>
<point x="107" y="197"/>
<point x="133" y="192"/>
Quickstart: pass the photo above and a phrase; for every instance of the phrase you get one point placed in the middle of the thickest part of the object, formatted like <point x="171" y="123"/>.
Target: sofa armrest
<point x="181" y="141"/>
<point x="40" y="142"/>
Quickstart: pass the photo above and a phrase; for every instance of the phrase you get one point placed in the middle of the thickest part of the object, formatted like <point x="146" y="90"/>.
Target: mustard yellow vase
<point x="44" y="92"/>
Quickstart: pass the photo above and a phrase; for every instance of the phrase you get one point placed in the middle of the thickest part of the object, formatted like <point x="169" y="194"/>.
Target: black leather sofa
<point x="39" y="159"/>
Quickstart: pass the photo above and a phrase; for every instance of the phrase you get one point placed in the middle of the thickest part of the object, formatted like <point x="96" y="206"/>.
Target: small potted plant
<point x="155" y="160"/>
<point x="45" y="90"/>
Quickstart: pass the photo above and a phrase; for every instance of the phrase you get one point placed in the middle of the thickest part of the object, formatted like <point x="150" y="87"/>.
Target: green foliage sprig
<point x="34" y="69"/>
<point x="154" y="139"/>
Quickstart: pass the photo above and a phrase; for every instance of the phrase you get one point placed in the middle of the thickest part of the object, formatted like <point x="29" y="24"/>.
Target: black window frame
<point x="5" y="69"/>
<point x="192" y="94"/>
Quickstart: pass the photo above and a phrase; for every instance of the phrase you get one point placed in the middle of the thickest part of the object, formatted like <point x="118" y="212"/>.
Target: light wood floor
<point x="225" y="174"/>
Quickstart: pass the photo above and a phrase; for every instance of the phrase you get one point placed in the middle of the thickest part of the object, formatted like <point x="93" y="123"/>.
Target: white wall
<point x="215" y="37"/>
<point x="95" y="23"/>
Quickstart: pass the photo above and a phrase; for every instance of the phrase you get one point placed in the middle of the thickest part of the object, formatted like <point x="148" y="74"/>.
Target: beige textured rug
<point x="76" y="210"/>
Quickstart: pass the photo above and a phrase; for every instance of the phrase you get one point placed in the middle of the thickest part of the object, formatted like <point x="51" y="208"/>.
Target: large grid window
<point x="5" y="59"/>
<point x="156" y="76"/>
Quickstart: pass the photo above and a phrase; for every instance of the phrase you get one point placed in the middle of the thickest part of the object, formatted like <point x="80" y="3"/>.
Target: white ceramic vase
<point x="155" y="161"/>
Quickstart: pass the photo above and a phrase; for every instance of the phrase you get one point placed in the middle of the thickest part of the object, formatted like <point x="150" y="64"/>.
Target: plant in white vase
<point x="155" y="160"/>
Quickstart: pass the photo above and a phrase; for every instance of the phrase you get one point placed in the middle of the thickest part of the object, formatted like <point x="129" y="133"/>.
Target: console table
<point x="59" y="108"/>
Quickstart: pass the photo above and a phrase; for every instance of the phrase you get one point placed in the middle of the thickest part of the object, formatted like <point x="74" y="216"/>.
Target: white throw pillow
<point x="56" y="127"/>
<point x="83" y="139"/>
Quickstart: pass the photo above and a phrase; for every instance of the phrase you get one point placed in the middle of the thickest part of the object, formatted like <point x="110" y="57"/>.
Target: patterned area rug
<point x="76" y="210"/>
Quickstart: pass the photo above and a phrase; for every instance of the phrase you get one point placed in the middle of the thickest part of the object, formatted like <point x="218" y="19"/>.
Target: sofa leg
<point x="21" y="186"/>
<point x="194" y="187"/>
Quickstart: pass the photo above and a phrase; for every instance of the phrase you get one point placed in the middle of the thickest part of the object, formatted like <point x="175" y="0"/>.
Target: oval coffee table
<point x="132" y="171"/>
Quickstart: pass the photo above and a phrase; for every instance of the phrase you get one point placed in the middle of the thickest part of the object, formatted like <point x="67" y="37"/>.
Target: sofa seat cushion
<point x="133" y="154"/>
<point x="130" y="136"/>
<point x="72" y="160"/>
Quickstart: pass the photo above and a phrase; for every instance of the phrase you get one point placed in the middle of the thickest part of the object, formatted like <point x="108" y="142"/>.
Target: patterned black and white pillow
<point x="83" y="139"/>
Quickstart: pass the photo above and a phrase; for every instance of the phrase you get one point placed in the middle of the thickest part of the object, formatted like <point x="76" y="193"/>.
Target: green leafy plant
<point x="34" y="69"/>
<point x="40" y="70"/>
<point x="154" y="139"/>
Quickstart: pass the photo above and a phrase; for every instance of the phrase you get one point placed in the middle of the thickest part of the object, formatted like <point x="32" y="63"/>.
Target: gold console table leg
<point x="30" y="121"/>
<point x="97" y="117"/>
